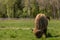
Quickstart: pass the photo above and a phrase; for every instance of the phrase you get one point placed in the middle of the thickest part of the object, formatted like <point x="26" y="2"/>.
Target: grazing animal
<point x="41" y="23"/>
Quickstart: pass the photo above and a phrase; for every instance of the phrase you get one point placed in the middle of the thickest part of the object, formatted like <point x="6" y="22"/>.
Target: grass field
<point x="19" y="34"/>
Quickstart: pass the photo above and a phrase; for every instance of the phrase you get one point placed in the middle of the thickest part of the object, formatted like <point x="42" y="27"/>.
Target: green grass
<point x="19" y="34"/>
<point x="17" y="23"/>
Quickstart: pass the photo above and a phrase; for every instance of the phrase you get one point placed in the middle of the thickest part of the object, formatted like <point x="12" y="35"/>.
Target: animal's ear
<point x="48" y="17"/>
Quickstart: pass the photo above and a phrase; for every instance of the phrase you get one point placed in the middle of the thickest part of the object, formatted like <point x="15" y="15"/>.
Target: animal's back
<point x="41" y="21"/>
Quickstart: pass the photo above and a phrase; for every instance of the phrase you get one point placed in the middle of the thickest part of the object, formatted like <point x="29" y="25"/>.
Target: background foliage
<point x="29" y="8"/>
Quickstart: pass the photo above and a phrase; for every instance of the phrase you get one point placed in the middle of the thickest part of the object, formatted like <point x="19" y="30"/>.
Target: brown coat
<point x="41" y="23"/>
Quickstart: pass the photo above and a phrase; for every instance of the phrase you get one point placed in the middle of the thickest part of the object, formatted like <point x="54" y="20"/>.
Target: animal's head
<point x="38" y="34"/>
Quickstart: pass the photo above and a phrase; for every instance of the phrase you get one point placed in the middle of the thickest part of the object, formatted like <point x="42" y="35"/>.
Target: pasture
<point x="10" y="29"/>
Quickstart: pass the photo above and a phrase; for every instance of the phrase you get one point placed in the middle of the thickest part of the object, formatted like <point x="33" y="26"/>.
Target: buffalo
<point x="41" y="23"/>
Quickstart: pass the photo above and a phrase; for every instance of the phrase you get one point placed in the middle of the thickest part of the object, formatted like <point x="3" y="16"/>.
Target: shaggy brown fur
<point x="41" y="22"/>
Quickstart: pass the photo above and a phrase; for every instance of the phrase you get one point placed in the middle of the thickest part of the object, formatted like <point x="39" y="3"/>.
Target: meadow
<point x="19" y="34"/>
